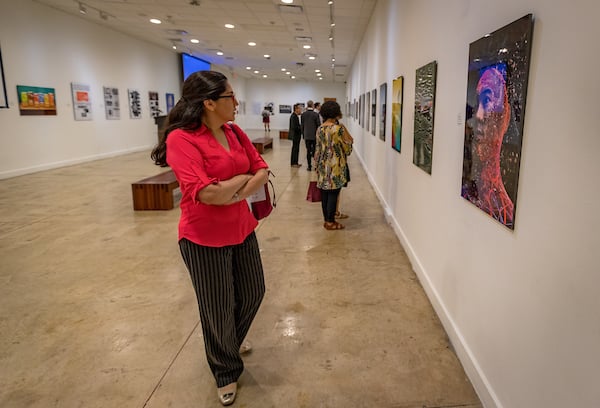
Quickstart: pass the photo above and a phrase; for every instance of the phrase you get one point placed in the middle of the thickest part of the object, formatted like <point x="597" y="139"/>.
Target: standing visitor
<point x="217" y="167"/>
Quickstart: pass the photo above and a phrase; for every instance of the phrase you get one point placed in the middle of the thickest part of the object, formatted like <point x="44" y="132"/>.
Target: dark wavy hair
<point x="330" y="110"/>
<point x="187" y="113"/>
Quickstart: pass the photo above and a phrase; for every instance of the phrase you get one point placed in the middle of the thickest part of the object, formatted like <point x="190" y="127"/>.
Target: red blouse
<point x="198" y="160"/>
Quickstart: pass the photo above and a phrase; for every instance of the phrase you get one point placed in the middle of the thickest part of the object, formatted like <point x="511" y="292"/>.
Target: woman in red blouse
<point x="217" y="168"/>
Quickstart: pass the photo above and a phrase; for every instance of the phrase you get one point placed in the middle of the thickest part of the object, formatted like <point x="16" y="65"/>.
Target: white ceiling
<point x="278" y="29"/>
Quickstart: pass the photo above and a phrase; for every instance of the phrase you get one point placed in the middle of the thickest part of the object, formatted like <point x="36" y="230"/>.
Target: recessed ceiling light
<point x="320" y="78"/>
<point x="288" y="73"/>
<point x="284" y="69"/>
<point x="229" y="25"/>
<point x="256" y="71"/>
<point x="219" y="52"/>
<point x="330" y="2"/>
<point x="319" y="74"/>
<point x="333" y="24"/>
<point x="317" y="70"/>
<point x="312" y="57"/>
<point x="155" y="21"/>
<point x="174" y="47"/>
<point x="264" y="75"/>
<point x="252" y="44"/>
<point x="306" y="46"/>
<point x="248" y="68"/>
<point x="194" y="41"/>
<point x="267" y="56"/>
<point x="287" y="1"/>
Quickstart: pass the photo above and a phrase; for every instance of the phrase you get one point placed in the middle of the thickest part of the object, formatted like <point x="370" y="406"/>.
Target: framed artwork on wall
<point x="495" y="112"/>
<point x="3" y="94"/>
<point x="82" y="102"/>
<point x="135" y="104"/>
<point x="154" y="106"/>
<point x="424" y="115"/>
<point x="397" y="100"/>
<point x="382" y="108"/>
<point x="373" y="111"/>
<point x="170" y="98"/>
<point x="35" y="100"/>
<point x="112" y="106"/>
<point x="367" y="110"/>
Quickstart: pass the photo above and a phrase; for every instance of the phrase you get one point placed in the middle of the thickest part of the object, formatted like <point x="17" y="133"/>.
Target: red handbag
<point x="260" y="202"/>
<point x="314" y="193"/>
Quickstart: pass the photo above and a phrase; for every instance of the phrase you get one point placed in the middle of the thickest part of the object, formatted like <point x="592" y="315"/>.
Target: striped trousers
<point x="230" y="286"/>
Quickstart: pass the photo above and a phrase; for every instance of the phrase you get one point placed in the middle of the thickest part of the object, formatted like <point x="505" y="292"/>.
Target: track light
<point x="82" y="9"/>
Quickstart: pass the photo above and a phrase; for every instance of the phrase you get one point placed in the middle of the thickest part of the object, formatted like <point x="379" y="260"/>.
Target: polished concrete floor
<point x="97" y="309"/>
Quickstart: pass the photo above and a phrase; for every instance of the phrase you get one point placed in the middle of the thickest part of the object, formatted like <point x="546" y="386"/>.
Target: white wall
<point x="521" y="307"/>
<point x="47" y="48"/>
<point x="288" y="92"/>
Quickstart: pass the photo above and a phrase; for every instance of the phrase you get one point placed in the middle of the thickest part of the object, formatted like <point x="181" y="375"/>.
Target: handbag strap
<point x="269" y="172"/>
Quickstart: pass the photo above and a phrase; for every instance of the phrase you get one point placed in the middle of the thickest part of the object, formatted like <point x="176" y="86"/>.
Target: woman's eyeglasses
<point x="232" y="96"/>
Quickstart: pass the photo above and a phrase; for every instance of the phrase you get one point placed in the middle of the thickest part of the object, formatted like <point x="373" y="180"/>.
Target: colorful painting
<point x="373" y="111"/>
<point x="111" y="103"/>
<point x="495" y="111"/>
<point x="34" y="100"/>
<point x="397" y="100"/>
<point x="382" y="107"/>
<point x="424" y="115"/>
<point x="170" y="98"/>
<point x="82" y="102"/>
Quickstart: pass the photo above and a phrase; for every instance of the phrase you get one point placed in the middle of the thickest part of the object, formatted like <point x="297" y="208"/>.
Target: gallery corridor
<point x="97" y="308"/>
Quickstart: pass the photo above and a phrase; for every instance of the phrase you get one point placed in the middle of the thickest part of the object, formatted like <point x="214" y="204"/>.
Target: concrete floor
<point x="97" y="308"/>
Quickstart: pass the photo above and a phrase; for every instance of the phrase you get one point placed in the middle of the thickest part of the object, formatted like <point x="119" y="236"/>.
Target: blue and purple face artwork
<point x="496" y="93"/>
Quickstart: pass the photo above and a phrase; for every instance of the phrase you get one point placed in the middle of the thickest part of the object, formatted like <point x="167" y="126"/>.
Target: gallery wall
<point x="520" y="306"/>
<point x="43" y="47"/>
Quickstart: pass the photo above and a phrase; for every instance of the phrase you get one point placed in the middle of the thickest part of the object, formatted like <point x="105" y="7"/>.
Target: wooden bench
<point x="262" y="143"/>
<point x="159" y="192"/>
<point x="284" y="134"/>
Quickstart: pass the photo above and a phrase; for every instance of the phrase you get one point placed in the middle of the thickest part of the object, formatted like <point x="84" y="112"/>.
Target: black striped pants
<point x="229" y="285"/>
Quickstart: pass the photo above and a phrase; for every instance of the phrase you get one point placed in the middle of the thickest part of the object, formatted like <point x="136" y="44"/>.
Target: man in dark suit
<point x="295" y="133"/>
<point x="310" y="123"/>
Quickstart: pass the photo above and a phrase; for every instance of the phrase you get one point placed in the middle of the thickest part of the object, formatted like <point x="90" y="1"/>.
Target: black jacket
<point x="295" y="129"/>
<point x="310" y="124"/>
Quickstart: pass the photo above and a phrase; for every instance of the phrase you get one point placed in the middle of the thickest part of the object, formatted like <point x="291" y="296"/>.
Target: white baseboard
<point x="480" y="383"/>
<point x="70" y="162"/>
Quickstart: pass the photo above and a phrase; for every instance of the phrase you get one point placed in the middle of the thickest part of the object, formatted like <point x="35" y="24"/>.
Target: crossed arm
<point x="234" y="189"/>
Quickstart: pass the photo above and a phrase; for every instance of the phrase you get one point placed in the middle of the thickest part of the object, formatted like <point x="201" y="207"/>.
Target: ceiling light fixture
<point x="194" y="41"/>
<point x="82" y="9"/>
<point x="155" y="21"/>
<point x="267" y="56"/>
<point x="219" y="52"/>
<point x="287" y="1"/>
<point x="229" y="25"/>
<point x="252" y="44"/>
<point x="306" y="46"/>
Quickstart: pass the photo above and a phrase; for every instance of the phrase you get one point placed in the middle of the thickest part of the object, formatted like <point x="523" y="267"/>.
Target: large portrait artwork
<point x="382" y="108"/>
<point x="424" y="114"/>
<point x="496" y="94"/>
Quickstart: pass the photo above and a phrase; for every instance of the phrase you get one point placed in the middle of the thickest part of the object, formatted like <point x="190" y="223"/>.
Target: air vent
<point x="285" y="9"/>
<point x="303" y="39"/>
<point x="175" y="40"/>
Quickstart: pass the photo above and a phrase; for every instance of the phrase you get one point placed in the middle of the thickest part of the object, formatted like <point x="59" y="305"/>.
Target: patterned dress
<point x="331" y="157"/>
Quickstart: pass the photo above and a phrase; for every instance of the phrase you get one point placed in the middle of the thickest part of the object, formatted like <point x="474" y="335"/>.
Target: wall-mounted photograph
<point x="397" y="100"/>
<point x="3" y="94"/>
<point x="373" y="111"/>
<point x="424" y="115"/>
<point x="367" y="110"/>
<point x="112" y="107"/>
<point x="135" y="104"/>
<point x="285" y="108"/>
<point x="495" y="112"/>
<point x="382" y="109"/>
<point x="82" y="101"/>
<point x="154" y="106"/>
<point x="35" y="100"/>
